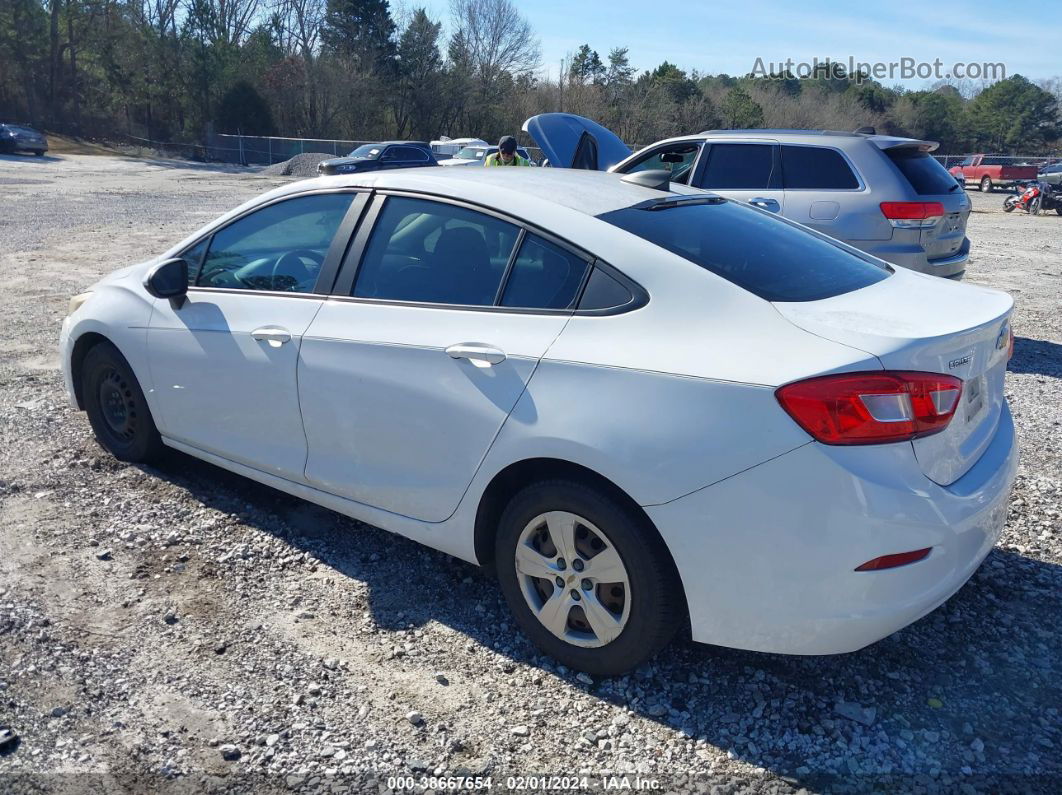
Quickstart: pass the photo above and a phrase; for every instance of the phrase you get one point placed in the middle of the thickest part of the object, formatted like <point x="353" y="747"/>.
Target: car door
<point x="439" y="318"/>
<point x="821" y="191"/>
<point x="223" y="360"/>
<point x="748" y="171"/>
<point x="570" y="141"/>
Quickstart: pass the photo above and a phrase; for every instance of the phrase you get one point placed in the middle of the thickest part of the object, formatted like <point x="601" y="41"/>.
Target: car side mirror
<point x="168" y="279"/>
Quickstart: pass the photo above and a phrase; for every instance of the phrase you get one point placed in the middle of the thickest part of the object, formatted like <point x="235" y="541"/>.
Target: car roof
<point x="802" y="136"/>
<point x="403" y="143"/>
<point x="588" y="192"/>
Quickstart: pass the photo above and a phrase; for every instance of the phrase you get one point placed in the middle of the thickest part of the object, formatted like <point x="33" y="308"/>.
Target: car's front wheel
<point x="116" y="408"/>
<point x="986" y="184"/>
<point x="586" y="577"/>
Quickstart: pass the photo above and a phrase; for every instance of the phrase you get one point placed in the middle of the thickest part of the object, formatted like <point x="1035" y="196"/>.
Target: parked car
<point x="646" y="409"/>
<point x="384" y="155"/>
<point x="882" y="194"/>
<point x="1051" y="174"/>
<point x="991" y="171"/>
<point x="20" y="138"/>
<point x="449" y="147"/>
<point x="477" y="156"/>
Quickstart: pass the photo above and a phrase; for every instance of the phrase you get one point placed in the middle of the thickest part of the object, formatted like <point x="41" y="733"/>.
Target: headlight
<point x="77" y="301"/>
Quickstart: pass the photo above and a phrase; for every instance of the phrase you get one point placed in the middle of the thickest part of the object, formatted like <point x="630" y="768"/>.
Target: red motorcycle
<point x="1034" y="198"/>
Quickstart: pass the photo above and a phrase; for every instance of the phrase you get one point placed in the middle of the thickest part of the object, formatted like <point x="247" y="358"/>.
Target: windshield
<point x="367" y="151"/>
<point x="926" y="175"/>
<point x="470" y="153"/>
<point x="766" y="256"/>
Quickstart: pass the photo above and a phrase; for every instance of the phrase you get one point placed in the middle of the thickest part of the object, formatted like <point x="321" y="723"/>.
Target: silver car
<point x="19" y="138"/>
<point x="879" y="193"/>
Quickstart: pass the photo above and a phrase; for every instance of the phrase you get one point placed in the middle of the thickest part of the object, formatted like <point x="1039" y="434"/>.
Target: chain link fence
<point x="267" y="150"/>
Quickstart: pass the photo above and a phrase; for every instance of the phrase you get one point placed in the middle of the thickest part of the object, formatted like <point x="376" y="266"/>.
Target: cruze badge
<point x="958" y="362"/>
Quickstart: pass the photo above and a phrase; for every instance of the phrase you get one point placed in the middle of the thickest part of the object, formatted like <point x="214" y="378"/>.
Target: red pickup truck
<point x="989" y="171"/>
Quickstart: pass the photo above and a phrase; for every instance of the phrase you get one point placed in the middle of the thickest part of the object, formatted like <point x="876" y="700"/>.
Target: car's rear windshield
<point x="766" y="256"/>
<point x="927" y="176"/>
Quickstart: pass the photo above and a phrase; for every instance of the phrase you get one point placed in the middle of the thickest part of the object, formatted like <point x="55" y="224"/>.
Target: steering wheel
<point x="291" y="264"/>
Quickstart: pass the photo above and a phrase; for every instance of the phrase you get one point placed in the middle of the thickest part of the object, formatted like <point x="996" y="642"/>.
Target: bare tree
<point x="498" y="39"/>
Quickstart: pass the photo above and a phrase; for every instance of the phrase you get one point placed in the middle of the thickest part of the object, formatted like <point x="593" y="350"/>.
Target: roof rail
<point x="839" y="133"/>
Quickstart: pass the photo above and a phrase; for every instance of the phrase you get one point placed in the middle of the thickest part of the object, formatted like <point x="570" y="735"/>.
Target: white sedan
<point x="647" y="408"/>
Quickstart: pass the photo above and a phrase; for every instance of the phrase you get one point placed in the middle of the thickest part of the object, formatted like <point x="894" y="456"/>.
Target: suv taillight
<point x="872" y="407"/>
<point x="912" y="215"/>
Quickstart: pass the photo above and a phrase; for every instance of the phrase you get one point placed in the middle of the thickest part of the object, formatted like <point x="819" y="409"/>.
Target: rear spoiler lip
<point x="886" y="144"/>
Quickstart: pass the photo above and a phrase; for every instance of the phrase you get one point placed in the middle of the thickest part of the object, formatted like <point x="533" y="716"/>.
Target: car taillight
<point x="912" y="215"/>
<point x="872" y="407"/>
<point x="892" y="561"/>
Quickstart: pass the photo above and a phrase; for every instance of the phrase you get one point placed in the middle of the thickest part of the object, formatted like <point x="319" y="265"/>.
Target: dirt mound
<point x="304" y="165"/>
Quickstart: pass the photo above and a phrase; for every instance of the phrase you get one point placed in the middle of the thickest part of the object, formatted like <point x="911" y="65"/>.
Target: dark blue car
<point x="374" y="157"/>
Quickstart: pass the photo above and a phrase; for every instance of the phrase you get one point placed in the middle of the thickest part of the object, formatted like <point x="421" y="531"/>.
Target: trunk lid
<point x="915" y="322"/>
<point x="570" y="141"/>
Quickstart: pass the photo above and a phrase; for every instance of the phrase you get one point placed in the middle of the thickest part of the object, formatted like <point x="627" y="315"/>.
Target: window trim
<point x="333" y="258"/>
<point x="860" y="184"/>
<point x="351" y="265"/>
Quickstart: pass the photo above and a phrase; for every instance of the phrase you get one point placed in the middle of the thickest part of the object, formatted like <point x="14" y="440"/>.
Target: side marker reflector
<point x="892" y="561"/>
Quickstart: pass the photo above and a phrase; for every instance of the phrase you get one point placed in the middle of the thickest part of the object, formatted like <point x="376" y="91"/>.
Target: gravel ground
<point x="184" y="626"/>
<point x="304" y="165"/>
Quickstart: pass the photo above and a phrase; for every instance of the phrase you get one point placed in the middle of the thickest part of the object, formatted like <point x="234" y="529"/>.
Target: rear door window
<point x="740" y="167"/>
<point x="764" y="255"/>
<point x="816" y="168"/>
<point x="927" y="176"/>
<point x="435" y="252"/>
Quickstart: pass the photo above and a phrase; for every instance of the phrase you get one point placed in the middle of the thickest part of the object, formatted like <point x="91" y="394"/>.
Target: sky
<point x="713" y="37"/>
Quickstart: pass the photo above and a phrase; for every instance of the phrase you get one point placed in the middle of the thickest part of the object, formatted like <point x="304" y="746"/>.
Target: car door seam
<point x="501" y="427"/>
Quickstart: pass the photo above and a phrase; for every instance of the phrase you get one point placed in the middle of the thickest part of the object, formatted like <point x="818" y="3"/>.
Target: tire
<point x="1008" y="205"/>
<point x="1034" y="206"/>
<point x="1058" y="210"/>
<point x="986" y="184"/>
<point x="38" y="153"/>
<point x="647" y="609"/>
<point x="116" y="408"/>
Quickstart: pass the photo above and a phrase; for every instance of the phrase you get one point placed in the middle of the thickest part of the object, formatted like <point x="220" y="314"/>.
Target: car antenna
<point x="657" y="179"/>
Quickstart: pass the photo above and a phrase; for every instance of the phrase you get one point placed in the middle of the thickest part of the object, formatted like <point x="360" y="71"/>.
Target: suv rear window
<point x="816" y="168"/>
<point x="927" y="176"/>
<point x="764" y="255"/>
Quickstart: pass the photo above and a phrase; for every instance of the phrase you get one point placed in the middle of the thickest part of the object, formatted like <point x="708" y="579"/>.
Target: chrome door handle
<point x="480" y="355"/>
<point x="770" y="205"/>
<point x="271" y="334"/>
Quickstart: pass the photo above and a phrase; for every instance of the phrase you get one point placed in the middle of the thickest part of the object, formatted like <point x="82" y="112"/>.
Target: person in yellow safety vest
<point x="506" y="154"/>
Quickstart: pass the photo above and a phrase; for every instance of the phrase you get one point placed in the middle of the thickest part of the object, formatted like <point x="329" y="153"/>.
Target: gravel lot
<point x="184" y="626"/>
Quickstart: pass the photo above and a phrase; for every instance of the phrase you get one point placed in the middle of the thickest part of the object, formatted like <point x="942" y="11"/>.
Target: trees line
<point x="353" y="69"/>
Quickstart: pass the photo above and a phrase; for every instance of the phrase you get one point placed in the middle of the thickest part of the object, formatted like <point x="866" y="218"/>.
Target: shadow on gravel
<point x="975" y="684"/>
<point x="27" y="157"/>
<point x="1036" y="356"/>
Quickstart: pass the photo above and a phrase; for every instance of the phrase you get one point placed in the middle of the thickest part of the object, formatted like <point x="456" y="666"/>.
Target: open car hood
<point x="570" y="141"/>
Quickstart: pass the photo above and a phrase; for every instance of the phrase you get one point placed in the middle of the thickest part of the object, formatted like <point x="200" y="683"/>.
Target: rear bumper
<point x="914" y="258"/>
<point x="25" y="146"/>
<point x="767" y="557"/>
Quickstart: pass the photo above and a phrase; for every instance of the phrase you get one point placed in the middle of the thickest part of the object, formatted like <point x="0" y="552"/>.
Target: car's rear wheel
<point x="588" y="581"/>
<point x="38" y="153"/>
<point x="986" y="184"/>
<point x="116" y="408"/>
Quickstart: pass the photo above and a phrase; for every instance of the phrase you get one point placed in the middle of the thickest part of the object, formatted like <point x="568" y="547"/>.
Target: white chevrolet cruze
<point x="648" y="408"/>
